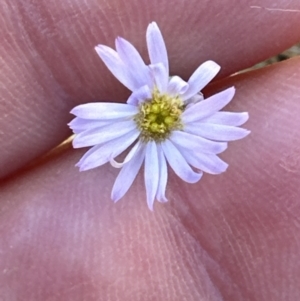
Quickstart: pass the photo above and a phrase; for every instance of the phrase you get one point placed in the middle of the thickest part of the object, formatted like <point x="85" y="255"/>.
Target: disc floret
<point x="159" y="116"/>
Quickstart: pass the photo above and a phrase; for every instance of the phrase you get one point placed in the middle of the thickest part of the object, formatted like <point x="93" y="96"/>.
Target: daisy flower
<point x="166" y="121"/>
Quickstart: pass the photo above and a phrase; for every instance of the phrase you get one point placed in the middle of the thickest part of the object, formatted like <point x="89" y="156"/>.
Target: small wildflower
<point x="165" y="120"/>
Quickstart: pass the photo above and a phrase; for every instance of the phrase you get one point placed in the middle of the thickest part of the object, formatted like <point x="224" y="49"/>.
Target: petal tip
<point x="118" y="41"/>
<point x="153" y="25"/>
<point x="225" y="167"/>
<point x="73" y="112"/>
<point x="246" y="116"/>
<point x="229" y="93"/>
<point x="114" y="197"/>
<point x="101" y="49"/>
<point x="162" y="199"/>
<point x="150" y="206"/>
<point x="98" y="48"/>
<point x="81" y="166"/>
<point x="213" y="64"/>
<point x="231" y="89"/>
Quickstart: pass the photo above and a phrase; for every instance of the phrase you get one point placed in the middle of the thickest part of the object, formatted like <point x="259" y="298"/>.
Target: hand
<point x="229" y="237"/>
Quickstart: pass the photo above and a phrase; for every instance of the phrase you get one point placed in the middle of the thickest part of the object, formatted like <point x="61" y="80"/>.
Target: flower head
<point x="165" y="120"/>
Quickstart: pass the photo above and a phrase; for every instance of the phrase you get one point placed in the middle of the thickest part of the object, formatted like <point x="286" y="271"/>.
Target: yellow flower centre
<point x="159" y="116"/>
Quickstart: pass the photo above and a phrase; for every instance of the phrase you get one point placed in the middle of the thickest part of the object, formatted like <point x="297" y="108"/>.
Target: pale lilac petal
<point x="179" y="164"/>
<point x="226" y="118"/>
<point x="115" y="65"/>
<point x="163" y="176"/>
<point x="193" y="100"/>
<point x="80" y="125"/>
<point x="135" y="64"/>
<point x="216" y="131"/>
<point x="156" y="46"/>
<point x="208" y="106"/>
<point x="161" y="77"/>
<point x="151" y="172"/>
<point x="100" y="154"/>
<point x="129" y="156"/>
<point x="104" y="110"/>
<point x="192" y="142"/>
<point x="127" y="175"/>
<point x="139" y="96"/>
<point x="103" y="134"/>
<point x="200" y="78"/>
<point x="209" y="163"/>
<point x="128" y="54"/>
<point x="176" y="86"/>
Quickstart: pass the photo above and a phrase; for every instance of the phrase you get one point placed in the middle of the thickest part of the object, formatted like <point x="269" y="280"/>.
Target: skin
<point x="229" y="237"/>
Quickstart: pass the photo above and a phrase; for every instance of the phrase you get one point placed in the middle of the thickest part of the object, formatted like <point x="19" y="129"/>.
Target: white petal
<point x="163" y="176"/>
<point x="227" y="118"/>
<point x="177" y="86"/>
<point x="179" y="164"/>
<point x="129" y="156"/>
<point x="160" y="76"/>
<point x="209" y="163"/>
<point x="192" y="142"/>
<point x="127" y="175"/>
<point x="216" y="131"/>
<point x="151" y="173"/>
<point x="156" y="46"/>
<point x="80" y="125"/>
<point x="193" y="100"/>
<point x="133" y="61"/>
<point x="116" y="66"/>
<point x="103" y="134"/>
<point x="200" y="78"/>
<point x="100" y="154"/>
<point x="104" y="110"/>
<point x="139" y="96"/>
<point x="208" y="106"/>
